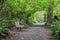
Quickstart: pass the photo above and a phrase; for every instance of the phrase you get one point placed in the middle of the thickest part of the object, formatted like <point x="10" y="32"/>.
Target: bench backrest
<point x="17" y="24"/>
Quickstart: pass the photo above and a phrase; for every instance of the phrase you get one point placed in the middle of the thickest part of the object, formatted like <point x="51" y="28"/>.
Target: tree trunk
<point x="50" y="12"/>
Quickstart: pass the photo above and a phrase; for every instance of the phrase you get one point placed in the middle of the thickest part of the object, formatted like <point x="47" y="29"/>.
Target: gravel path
<point x="32" y="33"/>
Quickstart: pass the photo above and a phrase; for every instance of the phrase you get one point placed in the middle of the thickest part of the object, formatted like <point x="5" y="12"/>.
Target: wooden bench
<point x="18" y="26"/>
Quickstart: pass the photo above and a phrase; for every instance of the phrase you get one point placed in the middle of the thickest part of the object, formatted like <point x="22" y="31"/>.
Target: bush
<point x="55" y="27"/>
<point x="4" y="31"/>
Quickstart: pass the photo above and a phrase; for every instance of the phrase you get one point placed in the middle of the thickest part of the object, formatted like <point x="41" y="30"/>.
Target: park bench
<point x="18" y="26"/>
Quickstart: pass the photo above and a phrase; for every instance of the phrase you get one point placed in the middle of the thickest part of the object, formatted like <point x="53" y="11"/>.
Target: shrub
<point x="4" y="31"/>
<point x="55" y="27"/>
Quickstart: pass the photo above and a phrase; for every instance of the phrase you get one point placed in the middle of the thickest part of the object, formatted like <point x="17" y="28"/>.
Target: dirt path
<point x="32" y="33"/>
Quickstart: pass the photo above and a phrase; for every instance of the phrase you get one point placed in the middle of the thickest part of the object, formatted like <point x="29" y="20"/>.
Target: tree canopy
<point x="23" y="9"/>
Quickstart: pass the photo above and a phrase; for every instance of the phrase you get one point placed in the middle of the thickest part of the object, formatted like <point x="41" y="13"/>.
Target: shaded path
<point x="32" y="33"/>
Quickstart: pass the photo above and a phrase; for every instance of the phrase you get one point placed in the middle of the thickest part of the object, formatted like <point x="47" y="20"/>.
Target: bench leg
<point x="20" y="28"/>
<point x="17" y="28"/>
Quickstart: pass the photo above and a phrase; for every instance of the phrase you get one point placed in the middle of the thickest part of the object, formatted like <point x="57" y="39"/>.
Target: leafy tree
<point x="50" y="12"/>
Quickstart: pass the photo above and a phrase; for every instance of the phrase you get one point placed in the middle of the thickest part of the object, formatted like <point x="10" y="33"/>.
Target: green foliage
<point x="55" y="27"/>
<point x="22" y="9"/>
<point x="37" y="17"/>
<point x="4" y="31"/>
<point x="4" y="28"/>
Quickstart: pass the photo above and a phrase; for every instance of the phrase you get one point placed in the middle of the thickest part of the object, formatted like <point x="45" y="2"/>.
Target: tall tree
<point x="50" y="11"/>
